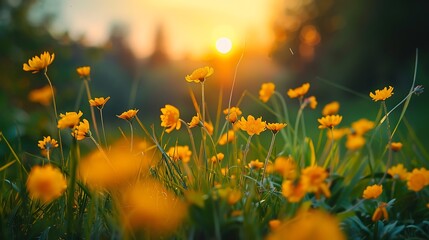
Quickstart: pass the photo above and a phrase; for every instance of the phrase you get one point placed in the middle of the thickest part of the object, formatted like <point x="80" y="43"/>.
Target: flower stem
<point x="102" y="127"/>
<point x="298" y="118"/>
<point x="389" y="135"/>
<point x="88" y="93"/>
<point x="191" y="137"/>
<point x="132" y="135"/>
<point x="71" y="188"/>
<point x="270" y="149"/>
<point x="246" y="150"/>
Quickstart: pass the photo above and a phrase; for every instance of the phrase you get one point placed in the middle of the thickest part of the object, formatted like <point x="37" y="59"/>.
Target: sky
<point x="191" y="27"/>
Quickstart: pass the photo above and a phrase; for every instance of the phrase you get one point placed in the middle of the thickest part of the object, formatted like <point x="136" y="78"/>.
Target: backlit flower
<point x="311" y="101"/>
<point x="355" y="142"/>
<point x="381" y="95"/>
<point x="418" y="179"/>
<point x="331" y="108"/>
<point x="84" y="71"/>
<point x="69" y="120"/>
<point x="98" y="102"/>
<point x="128" y="115"/>
<point x="200" y="74"/>
<point x="299" y="91"/>
<point x="276" y="127"/>
<point x="380" y="212"/>
<point x="251" y="125"/>
<point x="37" y="63"/>
<point x="362" y="126"/>
<point x="227" y="137"/>
<point x="232" y="114"/>
<point x="45" y="183"/>
<point x="294" y="192"/>
<point x="41" y="95"/>
<point x="180" y="153"/>
<point x="219" y="157"/>
<point x="256" y="164"/>
<point x="313" y="178"/>
<point x="398" y="172"/>
<point x="372" y="192"/>
<point x="267" y="90"/>
<point x="396" y="146"/>
<point x="286" y="167"/>
<point x="170" y="118"/>
<point x="81" y="131"/>
<point x="47" y="143"/>
<point x="329" y="121"/>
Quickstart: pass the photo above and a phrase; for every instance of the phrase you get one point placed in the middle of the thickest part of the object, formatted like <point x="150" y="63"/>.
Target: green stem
<point x="13" y="152"/>
<point x="71" y="189"/>
<point x="132" y="135"/>
<point x="389" y="135"/>
<point x="268" y="156"/>
<point x="191" y="137"/>
<point x="102" y="127"/>
<point x="88" y="93"/>
<point x="298" y="117"/>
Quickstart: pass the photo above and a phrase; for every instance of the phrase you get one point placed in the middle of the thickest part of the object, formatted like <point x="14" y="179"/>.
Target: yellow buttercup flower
<point x="372" y="192"/>
<point x="274" y="224"/>
<point x="209" y="127"/>
<point x="355" y="142"/>
<point x="98" y="102"/>
<point x="276" y="127"/>
<point x="256" y="164"/>
<point x="81" y="131"/>
<point x="299" y="91"/>
<point x="267" y="90"/>
<point x="337" y="133"/>
<point x="46" y="183"/>
<point x="329" y="121"/>
<point x="170" y="118"/>
<point x="128" y="115"/>
<point x="293" y="192"/>
<point x="84" y="71"/>
<point x="396" y="146"/>
<point x="251" y="125"/>
<point x="180" y="153"/>
<point x="331" y="108"/>
<point x="37" y="63"/>
<point x="47" y="143"/>
<point x="41" y="95"/>
<point x="232" y="196"/>
<point x="313" y="178"/>
<point x="195" y="121"/>
<point x="232" y="114"/>
<point x="418" y="179"/>
<point x="380" y="212"/>
<point x="362" y="126"/>
<point x="398" y="172"/>
<point x="200" y="74"/>
<point x="227" y="137"/>
<point x="219" y="157"/>
<point x="286" y="167"/>
<point x="381" y="95"/>
<point x="69" y="120"/>
<point x="311" y="101"/>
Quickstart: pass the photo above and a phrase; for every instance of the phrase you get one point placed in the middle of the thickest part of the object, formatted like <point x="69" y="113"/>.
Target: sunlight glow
<point x="223" y="45"/>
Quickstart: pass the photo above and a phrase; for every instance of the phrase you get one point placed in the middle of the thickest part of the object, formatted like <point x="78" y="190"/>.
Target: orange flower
<point x="39" y="63"/>
<point x="69" y="120"/>
<point x="219" y="157"/>
<point x="381" y="211"/>
<point x="362" y="126"/>
<point x="232" y="196"/>
<point x="180" y="153"/>
<point x="200" y="74"/>
<point x="313" y="178"/>
<point x="251" y="125"/>
<point x="396" y="146"/>
<point x="195" y="121"/>
<point x="355" y="142"/>
<point x="209" y="127"/>
<point x="84" y="71"/>
<point x="256" y="164"/>
<point x="274" y="224"/>
<point x="276" y="127"/>
<point x="170" y="118"/>
<point x="382" y="94"/>
<point x="299" y="91"/>
<point x="418" y="179"/>
<point x="293" y="192"/>
<point x="227" y="137"/>
<point x="46" y="183"/>
<point x="41" y="95"/>
<point x="372" y="192"/>
<point x="81" y="131"/>
<point x="286" y="167"/>
<point x="267" y="90"/>
<point x="47" y="143"/>
<point x="398" y="172"/>
<point x="98" y="102"/>
<point x="128" y="115"/>
<point x="311" y="101"/>
<point x="337" y="133"/>
<point x="233" y="114"/>
<point x="329" y="121"/>
<point x="331" y="108"/>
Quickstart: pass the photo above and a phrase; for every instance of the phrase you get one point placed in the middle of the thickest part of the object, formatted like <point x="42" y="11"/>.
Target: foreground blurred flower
<point x="313" y="224"/>
<point x="380" y="212"/>
<point x="337" y="133"/>
<point x="99" y="102"/>
<point x="286" y="167"/>
<point x="180" y="153"/>
<point x="200" y="74"/>
<point x="128" y="115"/>
<point x="47" y="143"/>
<point x="151" y="208"/>
<point x="274" y="224"/>
<point x="396" y="146"/>
<point x="232" y="114"/>
<point x="81" y="131"/>
<point x="329" y="121"/>
<point x="45" y="183"/>
<point x="372" y="192"/>
<point x="37" y="63"/>
<point x="382" y="94"/>
<point x="355" y="142"/>
<point x="299" y="91"/>
<point x="69" y="120"/>
<point x="276" y="127"/>
<point x="170" y="118"/>
<point x="313" y="178"/>
<point x="84" y="71"/>
<point x="362" y="126"/>
<point x="227" y="137"/>
<point x="267" y="90"/>
<point x="41" y="95"/>
<point x="251" y="125"/>
<point x="398" y="172"/>
<point x="331" y="108"/>
<point x="418" y="179"/>
<point x="294" y="192"/>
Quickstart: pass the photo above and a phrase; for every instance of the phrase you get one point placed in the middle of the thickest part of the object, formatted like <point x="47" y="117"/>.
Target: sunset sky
<point x="191" y="27"/>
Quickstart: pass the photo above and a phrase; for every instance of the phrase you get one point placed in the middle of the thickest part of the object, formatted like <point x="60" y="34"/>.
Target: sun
<point x="223" y="45"/>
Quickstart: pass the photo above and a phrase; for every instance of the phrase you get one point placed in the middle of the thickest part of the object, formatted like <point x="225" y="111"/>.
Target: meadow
<point x="223" y="174"/>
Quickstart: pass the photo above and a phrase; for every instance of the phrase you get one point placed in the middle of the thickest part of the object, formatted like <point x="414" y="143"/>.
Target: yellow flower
<point x="396" y="146"/>
<point x="286" y="167"/>
<point x="219" y="157"/>
<point x="81" y="131"/>
<point x="256" y="164"/>
<point x="337" y="133"/>
<point x="276" y="127"/>
<point x="293" y="192"/>
<point x="98" y="102"/>
<point x="362" y="126"/>
<point x="382" y="94"/>
<point x="418" y="179"/>
<point x="180" y="153"/>
<point x="313" y="178"/>
<point x="355" y="142"/>
<point x="45" y="183"/>
<point x="84" y="71"/>
<point x="69" y="120"/>
<point x="170" y="118"/>
<point x="128" y="115"/>
<point x="381" y="211"/>
<point x="267" y="90"/>
<point x="329" y="121"/>
<point x="209" y="127"/>
<point x="372" y="192"/>
<point x="39" y="63"/>
<point x="227" y="137"/>
<point x="398" y="172"/>
<point x="195" y="121"/>
<point x="200" y="74"/>
<point x="47" y="143"/>
<point x="311" y="101"/>
<point x="232" y="196"/>
<point x="274" y="224"/>
<point x="234" y="113"/>
<point x="299" y="91"/>
<point x="331" y="108"/>
<point x="41" y="95"/>
<point x="251" y="125"/>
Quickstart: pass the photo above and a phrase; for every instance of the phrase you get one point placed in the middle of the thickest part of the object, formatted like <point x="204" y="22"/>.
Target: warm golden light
<point x="223" y="45"/>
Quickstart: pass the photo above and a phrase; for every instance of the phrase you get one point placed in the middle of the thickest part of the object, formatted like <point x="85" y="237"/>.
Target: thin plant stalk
<point x="88" y="93"/>
<point x="191" y="138"/>
<point x="102" y="126"/>
<point x="246" y="150"/>
<point x="71" y="188"/>
<point x="389" y="134"/>
<point x="13" y="152"/>
<point x="298" y="118"/>
<point x="132" y="135"/>
<point x="270" y="149"/>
